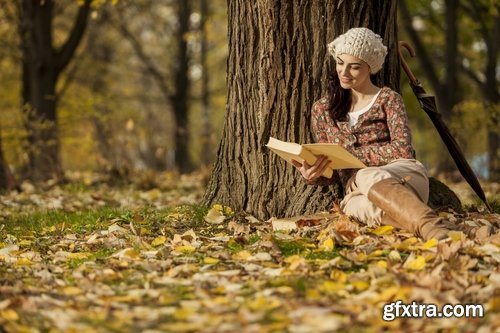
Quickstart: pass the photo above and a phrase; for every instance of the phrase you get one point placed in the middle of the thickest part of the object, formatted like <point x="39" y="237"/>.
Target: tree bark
<point x="41" y="67"/>
<point x="277" y="67"/>
<point x="182" y="84"/>
<point x="205" y="92"/>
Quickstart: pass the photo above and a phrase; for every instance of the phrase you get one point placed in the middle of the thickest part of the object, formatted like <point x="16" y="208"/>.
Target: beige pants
<point x="356" y="202"/>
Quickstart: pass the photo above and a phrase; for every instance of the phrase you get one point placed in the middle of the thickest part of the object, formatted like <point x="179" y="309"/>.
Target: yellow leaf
<point x="394" y="256"/>
<point x="263" y="304"/>
<point x="144" y="231"/>
<point x="25" y="242"/>
<point x="132" y="253"/>
<point x="360" y="285"/>
<point x="184" y="313"/>
<point x="125" y="298"/>
<point x="47" y="230"/>
<point x="330" y="287"/>
<point x="223" y="209"/>
<point x="388" y="293"/>
<point x="456" y="235"/>
<point x="296" y="262"/>
<point x="9" y="315"/>
<point x="185" y="248"/>
<point x="339" y="276"/>
<point x="71" y="291"/>
<point x="417" y="263"/>
<point x="376" y="253"/>
<point x="175" y="216"/>
<point x="242" y="255"/>
<point x="214" y="216"/>
<point x="210" y="260"/>
<point x="160" y="240"/>
<point x="382" y="264"/>
<point x="429" y="244"/>
<point x="23" y="262"/>
<point x="313" y="294"/>
<point x="79" y="255"/>
<point x="383" y="230"/>
<point x="327" y="245"/>
<point x="407" y="243"/>
<point x="361" y="256"/>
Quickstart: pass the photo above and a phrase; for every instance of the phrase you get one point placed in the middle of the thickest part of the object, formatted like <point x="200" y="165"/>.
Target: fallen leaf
<point x="160" y="240"/>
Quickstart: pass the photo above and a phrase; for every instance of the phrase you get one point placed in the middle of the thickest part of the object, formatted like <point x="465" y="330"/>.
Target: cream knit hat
<point x="362" y="43"/>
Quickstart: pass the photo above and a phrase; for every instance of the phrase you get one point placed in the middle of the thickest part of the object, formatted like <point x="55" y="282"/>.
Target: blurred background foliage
<point x="116" y="98"/>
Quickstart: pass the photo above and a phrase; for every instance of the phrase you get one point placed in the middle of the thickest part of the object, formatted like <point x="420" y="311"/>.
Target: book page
<point x="340" y="158"/>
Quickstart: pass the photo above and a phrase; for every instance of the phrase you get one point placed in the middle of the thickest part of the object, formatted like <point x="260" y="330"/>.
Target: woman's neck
<point x="364" y="93"/>
<point x="362" y="97"/>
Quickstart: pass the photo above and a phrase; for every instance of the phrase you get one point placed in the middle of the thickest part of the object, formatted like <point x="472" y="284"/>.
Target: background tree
<point x="277" y="67"/>
<point x="42" y="64"/>
<point x="464" y="68"/>
<point x="177" y="93"/>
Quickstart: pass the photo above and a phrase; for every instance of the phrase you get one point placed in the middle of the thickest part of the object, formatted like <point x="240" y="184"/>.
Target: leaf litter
<point x="150" y="260"/>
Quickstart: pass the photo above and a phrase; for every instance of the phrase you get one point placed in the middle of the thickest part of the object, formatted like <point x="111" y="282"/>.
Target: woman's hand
<point x="312" y="172"/>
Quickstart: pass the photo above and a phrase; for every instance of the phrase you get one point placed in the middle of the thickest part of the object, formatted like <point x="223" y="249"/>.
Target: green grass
<point x="289" y="248"/>
<point x="59" y="220"/>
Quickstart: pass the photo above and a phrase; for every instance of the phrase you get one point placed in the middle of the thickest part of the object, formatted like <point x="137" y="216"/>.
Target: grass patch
<point x="322" y="255"/>
<point x="57" y="220"/>
<point x="290" y="247"/>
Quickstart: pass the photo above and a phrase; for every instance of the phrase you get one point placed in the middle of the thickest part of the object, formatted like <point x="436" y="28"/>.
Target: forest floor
<point x="144" y="257"/>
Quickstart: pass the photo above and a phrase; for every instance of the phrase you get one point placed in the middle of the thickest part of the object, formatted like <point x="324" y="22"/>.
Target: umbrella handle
<point x="405" y="66"/>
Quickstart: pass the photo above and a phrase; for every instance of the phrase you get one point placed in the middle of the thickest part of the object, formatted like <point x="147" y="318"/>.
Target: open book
<point x="339" y="157"/>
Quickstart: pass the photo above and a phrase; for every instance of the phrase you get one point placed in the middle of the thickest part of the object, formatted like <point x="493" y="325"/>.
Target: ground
<point x="144" y="257"/>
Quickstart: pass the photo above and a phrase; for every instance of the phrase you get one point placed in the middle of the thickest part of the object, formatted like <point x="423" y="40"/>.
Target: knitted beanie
<point x="362" y="43"/>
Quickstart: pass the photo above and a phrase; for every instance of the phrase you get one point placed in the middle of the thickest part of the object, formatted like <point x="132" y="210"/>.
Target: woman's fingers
<point x="311" y="172"/>
<point x="318" y="168"/>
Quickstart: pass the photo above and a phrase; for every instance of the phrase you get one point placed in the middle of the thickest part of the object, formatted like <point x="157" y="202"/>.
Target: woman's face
<point x="353" y="72"/>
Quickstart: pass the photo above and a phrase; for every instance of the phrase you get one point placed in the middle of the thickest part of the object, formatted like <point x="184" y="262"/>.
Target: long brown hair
<point x="339" y="99"/>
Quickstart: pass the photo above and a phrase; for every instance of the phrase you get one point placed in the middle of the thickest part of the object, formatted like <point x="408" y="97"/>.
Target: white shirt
<point x="353" y="116"/>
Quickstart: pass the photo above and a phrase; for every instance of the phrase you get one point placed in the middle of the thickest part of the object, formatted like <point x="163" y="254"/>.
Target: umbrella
<point x="428" y="103"/>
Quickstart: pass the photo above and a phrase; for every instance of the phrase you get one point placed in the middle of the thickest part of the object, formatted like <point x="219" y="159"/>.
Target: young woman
<point x="371" y="123"/>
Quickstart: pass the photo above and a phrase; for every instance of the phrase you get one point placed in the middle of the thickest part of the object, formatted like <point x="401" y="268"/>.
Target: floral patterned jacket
<point x="380" y="135"/>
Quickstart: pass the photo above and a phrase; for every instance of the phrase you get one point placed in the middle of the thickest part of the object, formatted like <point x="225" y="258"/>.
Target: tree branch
<point x="146" y="60"/>
<point x="67" y="51"/>
<point x="427" y="65"/>
<point x="473" y="76"/>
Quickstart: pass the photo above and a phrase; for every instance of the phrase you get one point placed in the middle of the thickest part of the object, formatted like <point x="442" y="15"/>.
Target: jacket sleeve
<point x="318" y="114"/>
<point x="399" y="145"/>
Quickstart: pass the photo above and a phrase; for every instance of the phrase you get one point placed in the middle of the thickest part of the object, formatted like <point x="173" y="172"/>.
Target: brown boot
<point x="400" y="203"/>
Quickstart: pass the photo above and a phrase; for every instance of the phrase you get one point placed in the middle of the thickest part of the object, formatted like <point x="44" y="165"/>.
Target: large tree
<point x="42" y="65"/>
<point x="277" y="67"/>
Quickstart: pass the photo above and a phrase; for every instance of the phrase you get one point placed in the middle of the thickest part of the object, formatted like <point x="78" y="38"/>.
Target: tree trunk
<point x="179" y="98"/>
<point x="205" y="93"/>
<point x="5" y="177"/>
<point x="42" y="65"/>
<point x="277" y="67"/>
<point x="103" y="52"/>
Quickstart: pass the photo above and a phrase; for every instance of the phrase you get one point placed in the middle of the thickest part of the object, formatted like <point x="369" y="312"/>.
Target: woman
<point x="371" y="123"/>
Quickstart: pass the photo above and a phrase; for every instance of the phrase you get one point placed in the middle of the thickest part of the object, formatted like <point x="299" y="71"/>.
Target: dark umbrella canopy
<point x="428" y="103"/>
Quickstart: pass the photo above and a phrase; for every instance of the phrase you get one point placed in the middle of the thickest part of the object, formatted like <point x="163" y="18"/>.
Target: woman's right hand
<point x="312" y="172"/>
